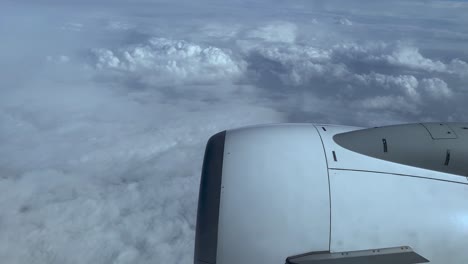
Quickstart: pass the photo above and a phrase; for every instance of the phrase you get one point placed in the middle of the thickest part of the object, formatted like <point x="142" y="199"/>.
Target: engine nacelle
<point x="304" y="193"/>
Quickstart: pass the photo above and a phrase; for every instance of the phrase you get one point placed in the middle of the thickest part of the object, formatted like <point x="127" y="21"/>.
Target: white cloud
<point x="404" y="84"/>
<point x="399" y="55"/>
<point x="106" y="59"/>
<point x="436" y="88"/>
<point x="458" y="66"/>
<point x="89" y="174"/>
<point x="275" y="32"/>
<point x="410" y="57"/>
<point x="378" y="76"/>
<point x="165" y="61"/>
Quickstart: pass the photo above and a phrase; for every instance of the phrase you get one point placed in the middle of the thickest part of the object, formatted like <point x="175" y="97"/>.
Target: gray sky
<point x="105" y="106"/>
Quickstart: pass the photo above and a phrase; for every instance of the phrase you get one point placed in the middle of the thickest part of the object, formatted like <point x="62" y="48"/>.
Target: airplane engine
<point x="310" y="194"/>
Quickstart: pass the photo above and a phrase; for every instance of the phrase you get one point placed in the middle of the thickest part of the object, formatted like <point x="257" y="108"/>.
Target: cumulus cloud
<point x="404" y="84"/>
<point x="436" y="88"/>
<point x="163" y="60"/>
<point x="410" y="57"/>
<point x="398" y="55"/>
<point x="458" y="66"/>
<point x="392" y="77"/>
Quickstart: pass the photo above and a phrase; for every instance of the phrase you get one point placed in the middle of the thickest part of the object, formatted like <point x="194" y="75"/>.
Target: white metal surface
<point x="346" y="159"/>
<point x="372" y="210"/>
<point x="395" y="255"/>
<point x="274" y="196"/>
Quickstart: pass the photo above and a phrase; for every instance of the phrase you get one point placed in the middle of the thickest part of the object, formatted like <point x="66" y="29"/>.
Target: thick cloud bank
<point x="105" y="111"/>
<point x="166" y="61"/>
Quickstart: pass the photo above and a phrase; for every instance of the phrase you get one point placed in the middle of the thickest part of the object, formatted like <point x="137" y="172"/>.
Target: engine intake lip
<point x="206" y="236"/>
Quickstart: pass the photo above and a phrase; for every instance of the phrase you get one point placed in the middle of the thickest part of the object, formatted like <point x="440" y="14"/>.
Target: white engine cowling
<point x="271" y="192"/>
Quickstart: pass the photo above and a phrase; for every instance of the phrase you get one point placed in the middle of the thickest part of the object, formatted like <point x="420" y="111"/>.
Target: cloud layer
<point x="105" y="111"/>
<point x="167" y="61"/>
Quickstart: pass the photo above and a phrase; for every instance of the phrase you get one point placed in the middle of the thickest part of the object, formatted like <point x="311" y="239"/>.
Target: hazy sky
<point x="105" y="106"/>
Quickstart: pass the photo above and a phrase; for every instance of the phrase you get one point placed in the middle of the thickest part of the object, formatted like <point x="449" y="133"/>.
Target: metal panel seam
<point x="329" y="188"/>
<point x="421" y="124"/>
<point x="399" y="174"/>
